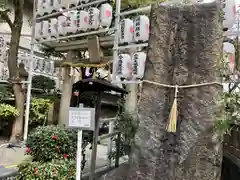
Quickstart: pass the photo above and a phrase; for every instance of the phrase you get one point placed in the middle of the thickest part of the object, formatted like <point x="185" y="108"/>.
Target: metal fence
<point x="111" y="164"/>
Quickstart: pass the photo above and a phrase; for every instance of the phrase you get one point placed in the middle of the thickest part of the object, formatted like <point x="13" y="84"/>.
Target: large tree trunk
<point x="184" y="48"/>
<point x="14" y="71"/>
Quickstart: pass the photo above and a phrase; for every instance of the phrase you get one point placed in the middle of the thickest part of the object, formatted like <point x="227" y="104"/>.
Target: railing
<point x="111" y="133"/>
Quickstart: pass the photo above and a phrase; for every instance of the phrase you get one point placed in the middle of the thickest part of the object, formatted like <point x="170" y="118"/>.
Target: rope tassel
<point x="172" y="125"/>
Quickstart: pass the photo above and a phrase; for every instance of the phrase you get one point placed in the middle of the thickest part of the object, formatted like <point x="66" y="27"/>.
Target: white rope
<point x="183" y="86"/>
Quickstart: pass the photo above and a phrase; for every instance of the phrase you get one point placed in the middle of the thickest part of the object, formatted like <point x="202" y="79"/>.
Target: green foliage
<point x="5" y="91"/>
<point x="44" y="83"/>
<point x="38" y="111"/>
<point x="8" y="111"/>
<point x="136" y="3"/>
<point x="53" y="170"/>
<point x="47" y="143"/>
<point x="229" y="103"/>
<point x="139" y="3"/>
<point x="127" y="125"/>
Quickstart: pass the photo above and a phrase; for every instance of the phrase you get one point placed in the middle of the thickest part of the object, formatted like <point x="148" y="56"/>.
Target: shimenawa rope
<point x="172" y="124"/>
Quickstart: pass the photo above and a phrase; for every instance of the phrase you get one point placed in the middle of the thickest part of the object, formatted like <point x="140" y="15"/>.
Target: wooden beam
<point x="79" y="44"/>
<point x="104" y="60"/>
<point x="94" y="50"/>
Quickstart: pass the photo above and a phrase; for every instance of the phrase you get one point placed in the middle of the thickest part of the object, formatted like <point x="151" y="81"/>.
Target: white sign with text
<point x="82" y="118"/>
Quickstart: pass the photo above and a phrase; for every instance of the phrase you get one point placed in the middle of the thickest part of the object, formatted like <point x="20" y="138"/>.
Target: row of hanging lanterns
<point x="75" y="21"/>
<point x="39" y="65"/>
<point x="131" y="67"/>
<point x="45" y="7"/>
<point x="43" y="66"/>
<point x="136" y="30"/>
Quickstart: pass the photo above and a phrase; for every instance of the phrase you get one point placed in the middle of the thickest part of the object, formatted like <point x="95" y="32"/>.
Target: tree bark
<point x="184" y="49"/>
<point x="14" y="73"/>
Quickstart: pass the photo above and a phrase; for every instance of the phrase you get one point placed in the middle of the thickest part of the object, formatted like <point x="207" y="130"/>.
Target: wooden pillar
<point x="66" y="91"/>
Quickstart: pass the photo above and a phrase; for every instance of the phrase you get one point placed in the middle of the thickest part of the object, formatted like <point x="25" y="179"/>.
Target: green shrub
<point x="38" y="111"/>
<point x="8" y="111"/>
<point x="47" y="143"/>
<point x="51" y="142"/>
<point x="7" y="114"/>
<point x="54" y="170"/>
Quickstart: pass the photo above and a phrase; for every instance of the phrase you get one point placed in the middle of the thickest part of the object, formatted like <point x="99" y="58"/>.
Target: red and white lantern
<point x="229" y="9"/>
<point x="141" y="28"/>
<point x="53" y="27"/>
<point x="62" y="23"/>
<point x="71" y="22"/>
<point x="106" y="15"/>
<point x="45" y="32"/>
<point x="138" y="64"/>
<point x="124" y="66"/>
<point x="82" y="21"/>
<point x="126" y="31"/>
<point x="38" y="31"/>
<point x="229" y="54"/>
<point x="93" y="18"/>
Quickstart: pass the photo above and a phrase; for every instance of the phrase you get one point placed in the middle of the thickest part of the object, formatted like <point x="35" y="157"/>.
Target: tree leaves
<point x="44" y="83"/>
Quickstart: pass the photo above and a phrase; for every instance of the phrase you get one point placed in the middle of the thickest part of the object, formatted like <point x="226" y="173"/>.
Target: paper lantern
<point x="45" y="32"/>
<point x="52" y="68"/>
<point x="93" y="18"/>
<point x="229" y="9"/>
<point x="40" y="10"/>
<point x="229" y="54"/>
<point x="53" y="27"/>
<point x="71" y="22"/>
<point x="124" y="66"/>
<point x="47" y="67"/>
<point x="3" y="49"/>
<point x="138" y="64"/>
<point x="141" y="28"/>
<point x="82" y="21"/>
<point x="56" y="5"/>
<point x="105" y="15"/>
<point x="62" y="23"/>
<point x="38" y="65"/>
<point x="46" y="7"/>
<point x="126" y="31"/>
<point x="38" y="31"/>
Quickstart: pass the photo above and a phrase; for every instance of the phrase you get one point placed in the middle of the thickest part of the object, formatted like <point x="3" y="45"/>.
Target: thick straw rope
<point x="172" y="124"/>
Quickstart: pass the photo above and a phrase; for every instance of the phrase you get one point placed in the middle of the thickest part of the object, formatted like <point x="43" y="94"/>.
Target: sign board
<point x="82" y="118"/>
